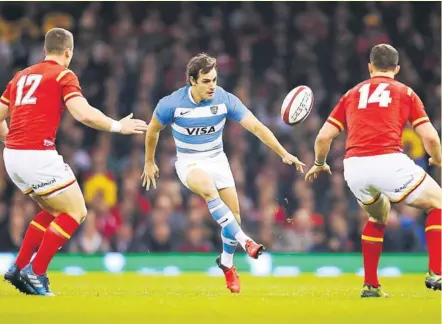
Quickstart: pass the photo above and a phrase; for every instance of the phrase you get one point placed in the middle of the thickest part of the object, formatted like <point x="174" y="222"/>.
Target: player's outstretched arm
<point x="322" y="146"/>
<point x="151" y="170"/>
<point x="430" y="139"/>
<point x="92" y="117"/>
<point x="323" y="142"/>
<point x="253" y="125"/>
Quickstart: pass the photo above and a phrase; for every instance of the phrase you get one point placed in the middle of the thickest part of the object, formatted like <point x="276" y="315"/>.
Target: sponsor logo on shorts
<point x="43" y="184"/>
<point x="405" y="185"/>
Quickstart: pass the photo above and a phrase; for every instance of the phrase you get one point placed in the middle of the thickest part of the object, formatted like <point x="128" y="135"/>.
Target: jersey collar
<point x="190" y="96"/>
<point x="382" y="76"/>
<point x="50" y="61"/>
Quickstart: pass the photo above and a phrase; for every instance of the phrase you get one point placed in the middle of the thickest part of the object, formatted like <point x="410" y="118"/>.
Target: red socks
<point x="373" y="237"/>
<point x="433" y="238"/>
<point x="57" y="234"/>
<point x="372" y="240"/>
<point x="34" y="235"/>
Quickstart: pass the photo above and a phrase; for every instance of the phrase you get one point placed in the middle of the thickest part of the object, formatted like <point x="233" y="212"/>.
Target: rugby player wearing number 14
<point x="377" y="171"/>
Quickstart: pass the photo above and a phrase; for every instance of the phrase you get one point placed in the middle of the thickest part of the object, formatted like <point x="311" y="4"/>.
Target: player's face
<point x="206" y="84"/>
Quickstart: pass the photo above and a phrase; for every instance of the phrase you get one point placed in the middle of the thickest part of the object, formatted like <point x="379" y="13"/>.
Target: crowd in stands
<point x="129" y="55"/>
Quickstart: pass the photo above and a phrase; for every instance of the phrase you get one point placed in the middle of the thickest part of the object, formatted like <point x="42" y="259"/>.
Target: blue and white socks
<point x="231" y="232"/>
<point x="229" y="247"/>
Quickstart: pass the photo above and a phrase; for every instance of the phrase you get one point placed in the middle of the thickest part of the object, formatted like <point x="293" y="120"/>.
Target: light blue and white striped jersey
<point x="197" y="128"/>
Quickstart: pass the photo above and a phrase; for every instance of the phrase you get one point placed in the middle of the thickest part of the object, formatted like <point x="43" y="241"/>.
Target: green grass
<point x="197" y="298"/>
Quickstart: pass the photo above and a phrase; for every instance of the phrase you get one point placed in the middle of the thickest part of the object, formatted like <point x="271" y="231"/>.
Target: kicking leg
<point x="201" y="183"/>
<point x="230" y="198"/>
<point x="225" y="260"/>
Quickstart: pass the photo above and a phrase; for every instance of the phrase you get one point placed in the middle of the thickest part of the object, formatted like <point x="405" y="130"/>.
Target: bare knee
<point x="43" y="205"/>
<point x="201" y="184"/>
<point x="376" y="220"/>
<point x="82" y="214"/>
<point x="208" y="192"/>
<point x="435" y="203"/>
<point x="426" y="205"/>
<point x="430" y="197"/>
<point x="79" y="214"/>
<point x="379" y="210"/>
<point x="70" y="201"/>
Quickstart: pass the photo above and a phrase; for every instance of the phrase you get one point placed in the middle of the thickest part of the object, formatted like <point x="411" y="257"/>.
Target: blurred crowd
<point x="129" y="55"/>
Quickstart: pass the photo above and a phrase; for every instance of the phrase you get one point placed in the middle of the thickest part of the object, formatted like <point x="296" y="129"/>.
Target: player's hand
<point x="431" y="161"/>
<point x="131" y="126"/>
<point x="291" y="159"/>
<point x="150" y="172"/>
<point x="312" y="174"/>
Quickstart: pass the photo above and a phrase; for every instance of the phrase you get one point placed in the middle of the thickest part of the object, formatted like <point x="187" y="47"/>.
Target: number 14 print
<point x="380" y="95"/>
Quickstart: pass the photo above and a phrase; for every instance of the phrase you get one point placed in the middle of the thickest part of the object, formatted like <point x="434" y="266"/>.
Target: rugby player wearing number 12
<point x="375" y="168"/>
<point x="35" y="99"/>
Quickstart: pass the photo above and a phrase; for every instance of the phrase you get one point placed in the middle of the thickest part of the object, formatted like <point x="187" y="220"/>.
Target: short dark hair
<point x="384" y="57"/>
<point x="202" y="63"/>
<point x="57" y="40"/>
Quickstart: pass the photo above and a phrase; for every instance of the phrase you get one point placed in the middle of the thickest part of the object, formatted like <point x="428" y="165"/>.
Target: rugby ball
<point x="297" y="105"/>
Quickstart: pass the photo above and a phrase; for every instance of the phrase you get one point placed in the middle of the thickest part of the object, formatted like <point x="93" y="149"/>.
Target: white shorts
<point x="394" y="175"/>
<point x="217" y="167"/>
<point x="39" y="171"/>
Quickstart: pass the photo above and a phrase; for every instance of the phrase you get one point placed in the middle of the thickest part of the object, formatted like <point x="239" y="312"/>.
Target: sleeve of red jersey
<point x="70" y="85"/>
<point x="418" y="116"/>
<point x="6" y="96"/>
<point x="337" y="116"/>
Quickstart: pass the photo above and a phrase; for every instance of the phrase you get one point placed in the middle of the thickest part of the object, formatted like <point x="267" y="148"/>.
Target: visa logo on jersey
<point x="200" y="130"/>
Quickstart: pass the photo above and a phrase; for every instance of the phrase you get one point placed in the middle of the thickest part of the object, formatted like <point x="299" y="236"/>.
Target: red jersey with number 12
<point x="36" y="97"/>
<point x="375" y="113"/>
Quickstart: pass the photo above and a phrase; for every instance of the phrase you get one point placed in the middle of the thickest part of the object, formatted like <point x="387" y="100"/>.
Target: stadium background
<point x="129" y="55"/>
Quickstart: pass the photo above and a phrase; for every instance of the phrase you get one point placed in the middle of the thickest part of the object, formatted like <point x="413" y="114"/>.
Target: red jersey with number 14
<point x="36" y="97"/>
<point x="375" y="113"/>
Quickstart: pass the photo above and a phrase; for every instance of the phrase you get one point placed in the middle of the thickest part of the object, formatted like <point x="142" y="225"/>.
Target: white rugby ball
<point x="297" y="105"/>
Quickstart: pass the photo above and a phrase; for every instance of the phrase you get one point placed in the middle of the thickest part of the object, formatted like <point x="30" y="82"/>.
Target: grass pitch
<point x="197" y="298"/>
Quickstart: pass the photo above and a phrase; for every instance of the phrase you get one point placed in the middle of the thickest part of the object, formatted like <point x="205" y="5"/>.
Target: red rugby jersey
<point x="37" y="97"/>
<point x="374" y="113"/>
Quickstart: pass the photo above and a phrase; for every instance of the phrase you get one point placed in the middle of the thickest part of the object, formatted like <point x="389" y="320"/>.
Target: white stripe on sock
<point x="216" y="208"/>
<point x="229" y="241"/>
<point x="227" y="259"/>
<point x="241" y="237"/>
